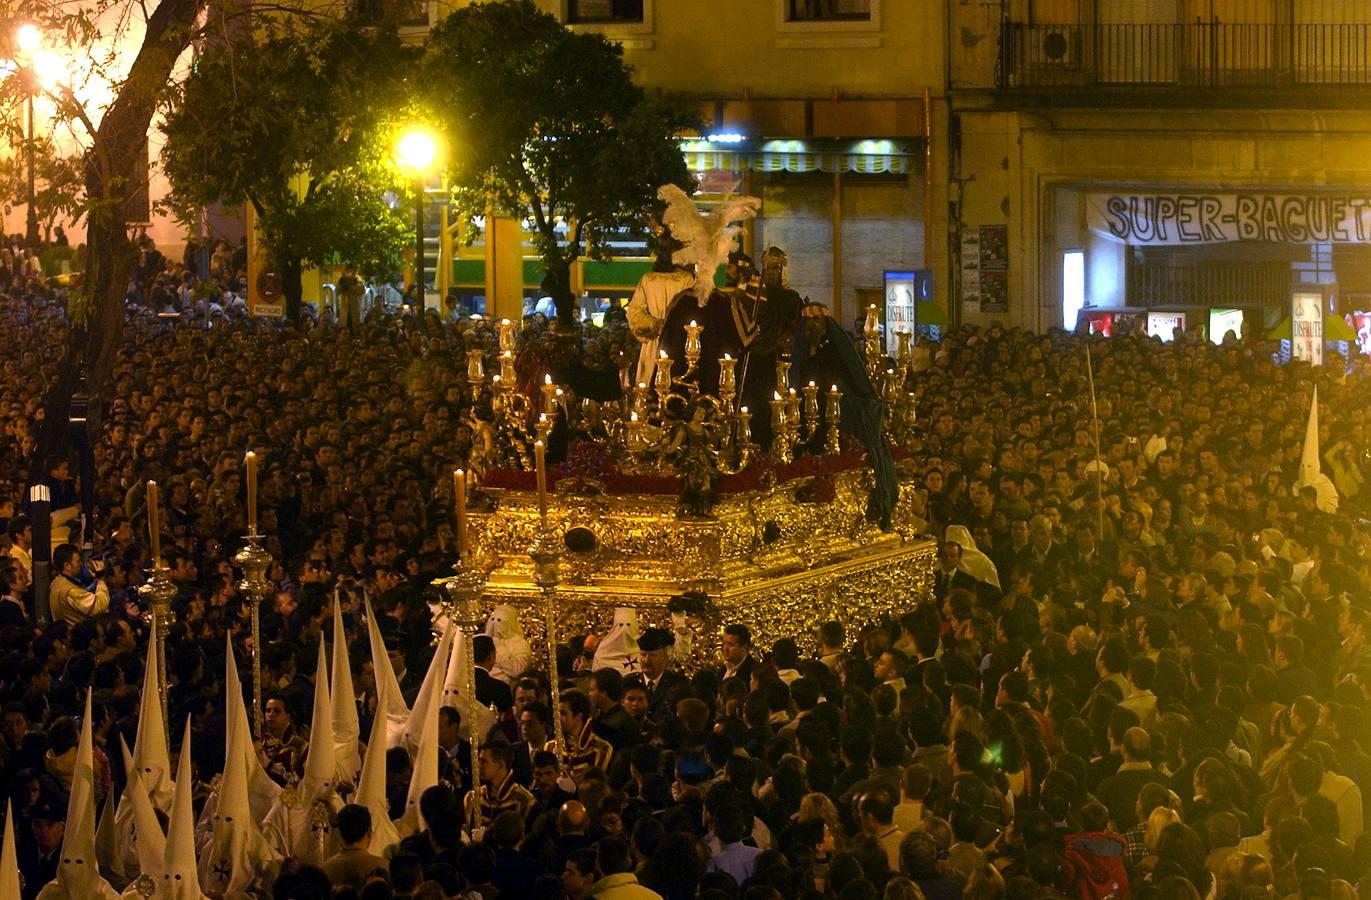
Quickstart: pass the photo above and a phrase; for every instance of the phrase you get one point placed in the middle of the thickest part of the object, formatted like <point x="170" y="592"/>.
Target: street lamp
<point x="28" y="39"/>
<point x="417" y="153"/>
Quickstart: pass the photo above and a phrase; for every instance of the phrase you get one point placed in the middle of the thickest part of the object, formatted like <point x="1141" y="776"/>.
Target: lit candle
<point x="251" y="459"/>
<point x="832" y="444"/>
<point x="506" y="336"/>
<point x="777" y="412"/>
<point x="640" y="400"/>
<point x="663" y="383"/>
<point x="812" y="404"/>
<point x="782" y="374"/>
<point x="154" y="525"/>
<point x="540" y="454"/>
<point x="792" y="409"/>
<point x="727" y="378"/>
<point x="459" y="492"/>
<point x="549" y="396"/>
<point x="692" y="343"/>
<point x="744" y="426"/>
<point x="507" y="367"/>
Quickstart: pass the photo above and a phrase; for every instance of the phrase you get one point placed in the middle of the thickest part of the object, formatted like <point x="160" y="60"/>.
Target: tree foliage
<point x="548" y="125"/>
<point x="297" y="121"/>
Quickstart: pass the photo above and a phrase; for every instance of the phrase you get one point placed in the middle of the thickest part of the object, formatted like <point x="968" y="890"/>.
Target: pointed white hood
<point x="430" y="692"/>
<point x="146" y="843"/>
<point x="237" y="856"/>
<point x="107" y="840"/>
<point x="425" y="771"/>
<point x="9" y="859"/>
<point x="454" y="690"/>
<point x="396" y="712"/>
<point x="347" y="730"/>
<point x="321" y="764"/>
<point x="1311" y="471"/>
<point x="512" y="651"/>
<point x="180" y="874"/>
<point x="150" y="753"/>
<point x="371" y="788"/>
<point x="78" y="876"/>
<point x="618" y="649"/>
<point x="262" y="791"/>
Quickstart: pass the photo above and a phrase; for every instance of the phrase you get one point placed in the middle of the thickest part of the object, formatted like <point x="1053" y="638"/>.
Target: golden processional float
<point x="745" y="466"/>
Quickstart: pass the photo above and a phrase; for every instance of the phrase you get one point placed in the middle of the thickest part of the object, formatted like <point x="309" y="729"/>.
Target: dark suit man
<point x="611" y="721"/>
<point x="490" y="691"/>
<point x="1119" y="792"/>
<point x="664" y="686"/>
<point x="38" y="858"/>
<point x="948" y="575"/>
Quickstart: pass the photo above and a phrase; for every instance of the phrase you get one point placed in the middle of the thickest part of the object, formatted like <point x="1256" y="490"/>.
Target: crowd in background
<point x="1140" y="678"/>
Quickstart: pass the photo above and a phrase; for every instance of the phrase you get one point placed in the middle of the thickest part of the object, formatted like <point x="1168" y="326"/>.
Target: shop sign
<point x="1167" y="219"/>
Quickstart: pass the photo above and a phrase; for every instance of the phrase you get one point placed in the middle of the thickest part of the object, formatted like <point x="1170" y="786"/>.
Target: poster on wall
<point x="994" y="268"/>
<point x="899" y="309"/>
<point x="1306" y="326"/>
<point x="971" y="266"/>
<point x="1164" y="324"/>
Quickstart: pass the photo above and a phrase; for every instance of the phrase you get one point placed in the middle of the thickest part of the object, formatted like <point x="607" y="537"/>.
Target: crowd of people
<point x="1139" y="673"/>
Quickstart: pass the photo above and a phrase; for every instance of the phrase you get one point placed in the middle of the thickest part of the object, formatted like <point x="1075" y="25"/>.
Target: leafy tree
<point x="297" y="122"/>
<point x="60" y="183"/>
<point x="547" y="125"/>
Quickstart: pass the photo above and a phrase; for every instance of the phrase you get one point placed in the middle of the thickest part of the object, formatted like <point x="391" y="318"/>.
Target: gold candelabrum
<point x="871" y="342"/>
<point x="254" y="560"/>
<point x="157" y="593"/>
<point x="832" y="440"/>
<point x="465" y="589"/>
<point x="476" y="373"/>
<point x="546" y="552"/>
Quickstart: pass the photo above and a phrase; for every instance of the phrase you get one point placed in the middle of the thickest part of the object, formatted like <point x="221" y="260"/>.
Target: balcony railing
<point x="1184" y="56"/>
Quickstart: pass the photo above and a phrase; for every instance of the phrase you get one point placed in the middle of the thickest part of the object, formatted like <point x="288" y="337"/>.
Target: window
<point x="828" y="10"/>
<point x="400" y="13"/>
<point x="600" y="12"/>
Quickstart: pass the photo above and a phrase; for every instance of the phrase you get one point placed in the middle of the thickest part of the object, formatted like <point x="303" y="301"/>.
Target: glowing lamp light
<point x="28" y="37"/>
<point x="727" y="137"/>
<point x="417" y="150"/>
<point x="48" y="68"/>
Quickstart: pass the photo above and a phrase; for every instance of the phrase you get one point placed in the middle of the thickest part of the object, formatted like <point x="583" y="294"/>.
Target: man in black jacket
<point x="665" y="687"/>
<point x="490" y="691"/>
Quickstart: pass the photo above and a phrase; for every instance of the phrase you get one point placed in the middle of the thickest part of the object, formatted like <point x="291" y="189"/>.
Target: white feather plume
<point x="707" y="239"/>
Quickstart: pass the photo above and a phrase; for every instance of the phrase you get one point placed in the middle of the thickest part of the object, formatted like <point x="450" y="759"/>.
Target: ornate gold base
<point x="771" y="559"/>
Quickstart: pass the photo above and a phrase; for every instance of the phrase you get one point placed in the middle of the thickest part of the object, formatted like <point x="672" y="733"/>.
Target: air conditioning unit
<point x="1056" y="46"/>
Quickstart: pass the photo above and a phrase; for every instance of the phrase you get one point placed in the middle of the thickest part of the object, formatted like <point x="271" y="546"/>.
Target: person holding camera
<point x="70" y="598"/>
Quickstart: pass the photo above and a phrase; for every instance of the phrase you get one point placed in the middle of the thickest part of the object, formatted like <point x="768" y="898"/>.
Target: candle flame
<point x="633" y="417"/>
<point x="692" y="324"/>
<point x="775" y="395"/>
<point x="811" y="384"/>
<point x="743" y="410"/>
<point x="833" y="390"/>
<point x="727" y="357"/>
<point x="663" y="354"/>
<point x="547" y="379"/>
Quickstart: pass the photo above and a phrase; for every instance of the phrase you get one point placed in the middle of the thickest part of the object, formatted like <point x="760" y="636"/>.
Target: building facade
<point x="1189" y="158"/>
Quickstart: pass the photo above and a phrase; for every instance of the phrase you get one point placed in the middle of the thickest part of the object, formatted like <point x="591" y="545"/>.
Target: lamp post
<point x="417" y="155"/>
<point x="28" y="39"/>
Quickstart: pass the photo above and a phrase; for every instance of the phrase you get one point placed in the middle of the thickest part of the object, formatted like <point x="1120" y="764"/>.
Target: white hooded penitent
<point x="78" y="876"/>
<point x="619" y="647"/>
